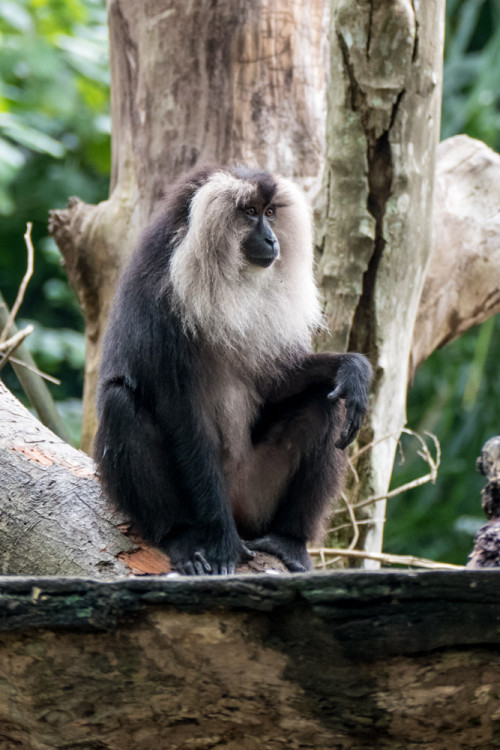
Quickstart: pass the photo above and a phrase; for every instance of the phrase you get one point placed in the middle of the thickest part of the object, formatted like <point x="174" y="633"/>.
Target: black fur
<point x="156" y="457"/>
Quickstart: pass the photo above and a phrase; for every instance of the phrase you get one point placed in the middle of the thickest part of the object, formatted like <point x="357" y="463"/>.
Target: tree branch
<point x="461" y="287"/>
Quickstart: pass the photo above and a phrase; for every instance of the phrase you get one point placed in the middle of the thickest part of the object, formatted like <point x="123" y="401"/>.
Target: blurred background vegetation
<point x="55" y="142"/>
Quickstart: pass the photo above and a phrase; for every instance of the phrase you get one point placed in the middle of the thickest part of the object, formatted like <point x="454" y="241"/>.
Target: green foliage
<point x="54" y="142"/>
<point x="471" y="95"/>
<point x="456" y="393"/>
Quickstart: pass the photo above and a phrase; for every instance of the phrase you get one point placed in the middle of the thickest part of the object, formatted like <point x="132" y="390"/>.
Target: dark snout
<point x="261" y="247"/>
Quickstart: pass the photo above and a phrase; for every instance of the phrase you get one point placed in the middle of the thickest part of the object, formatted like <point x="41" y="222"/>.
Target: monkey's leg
<point x="349" y="377"/>
<point x="302" y="430"/>
<point x="173" y="495"/>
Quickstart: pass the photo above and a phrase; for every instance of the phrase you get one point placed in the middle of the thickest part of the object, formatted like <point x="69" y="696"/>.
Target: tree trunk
<point x="382" y="133"/>
<point x="192" y="82"/>
<point x="392" y="661"/>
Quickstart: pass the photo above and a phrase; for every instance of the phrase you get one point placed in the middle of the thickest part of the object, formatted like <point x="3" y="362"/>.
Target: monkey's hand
<point x="192" y="555"/>
<point x="352" y="383"/>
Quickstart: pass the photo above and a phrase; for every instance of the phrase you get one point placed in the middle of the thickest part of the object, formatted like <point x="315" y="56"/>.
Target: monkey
<point x="220" y="432"/>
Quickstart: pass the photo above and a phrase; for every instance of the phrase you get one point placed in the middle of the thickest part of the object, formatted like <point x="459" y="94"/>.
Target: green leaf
<point x="16" y="16"/>
<point x="29" y="137"/>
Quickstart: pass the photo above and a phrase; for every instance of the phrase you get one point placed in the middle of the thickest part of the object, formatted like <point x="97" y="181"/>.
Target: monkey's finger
<point x="348" y="434"/>
<point x="246" y="554"/>
<point x="201" y="559"/>
<point x="200" y="571"/>
<point x="336" y="393"/>
<point x="189" y="568"/>
<point x="223" y="569"/>
<point x="231" y="569"/>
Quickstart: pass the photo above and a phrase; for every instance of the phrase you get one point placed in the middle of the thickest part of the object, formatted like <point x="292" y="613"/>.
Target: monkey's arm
<point x="343" y="376"/>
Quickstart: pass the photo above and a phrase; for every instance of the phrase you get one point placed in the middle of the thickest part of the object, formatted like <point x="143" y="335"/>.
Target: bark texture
<point x="193" y="82"/>
<point x="486" y="552"/>
<point x="53" y="517"/>
<point x="382" y="133"/>
<point x="353" y="660"/>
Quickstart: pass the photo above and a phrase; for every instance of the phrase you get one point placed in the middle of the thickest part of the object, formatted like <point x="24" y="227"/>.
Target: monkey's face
<point x="260" y="246"/>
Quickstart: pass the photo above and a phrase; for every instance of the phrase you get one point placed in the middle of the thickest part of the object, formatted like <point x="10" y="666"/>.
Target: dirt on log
<point x="346" y="660"/>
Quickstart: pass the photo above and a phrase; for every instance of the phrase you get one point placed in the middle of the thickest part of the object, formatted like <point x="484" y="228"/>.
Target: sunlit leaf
<point x="10" y="155"/>
<point x="14" y="14"/>
<point x="29" y="137"/>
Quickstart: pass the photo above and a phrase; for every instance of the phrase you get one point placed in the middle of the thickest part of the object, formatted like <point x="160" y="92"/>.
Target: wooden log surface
<point x="345" y="660"/>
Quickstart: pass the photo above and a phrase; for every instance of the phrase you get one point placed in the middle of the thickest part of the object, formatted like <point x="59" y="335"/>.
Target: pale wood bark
<point x="382" y="133"/>
<point x="193" y="82"/>
<point x="53" y="518"/>
<point x="349" y="660"/>
<point x="462" y="286"/>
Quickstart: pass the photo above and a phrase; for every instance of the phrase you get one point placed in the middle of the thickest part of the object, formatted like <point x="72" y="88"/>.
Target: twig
<point x="408" y="560"/>
<point x="362" y="522"/>
<point x="9" y="347"/>
<point x="16" y="339"/>
<point x="367" y="447"/>
<point x="24" y="283"/>
<point x="35" y="370"/>
<point x="425" y="454"/>
<point x="354" y="522"/>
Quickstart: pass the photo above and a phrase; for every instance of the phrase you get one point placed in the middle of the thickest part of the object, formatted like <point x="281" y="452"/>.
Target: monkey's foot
<point x="292" y="552"/>
<point x="191" y="555"/>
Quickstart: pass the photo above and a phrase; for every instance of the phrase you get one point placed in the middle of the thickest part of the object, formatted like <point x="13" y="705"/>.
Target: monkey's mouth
<point x="264" y="261"/>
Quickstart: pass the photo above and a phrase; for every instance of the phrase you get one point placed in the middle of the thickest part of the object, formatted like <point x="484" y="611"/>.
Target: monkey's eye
<point x="251" y="211"/>
<point x="270" y="212"/>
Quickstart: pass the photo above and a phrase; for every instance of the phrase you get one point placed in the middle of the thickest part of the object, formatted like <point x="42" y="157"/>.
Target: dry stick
<point x="355" y="525"/>
<point x="11" y="344"/>
<point x="362" y="522"/>
<point x="354" y="522"/>
<point x="430" y="477"/>
<point x="26" y="371"/>
<point x="409" y="560"/>
<point x="33" y="386"/>
<point x="35" y="370"/>
<point x="425" y="454"/>
<point x="24" y="283"/>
